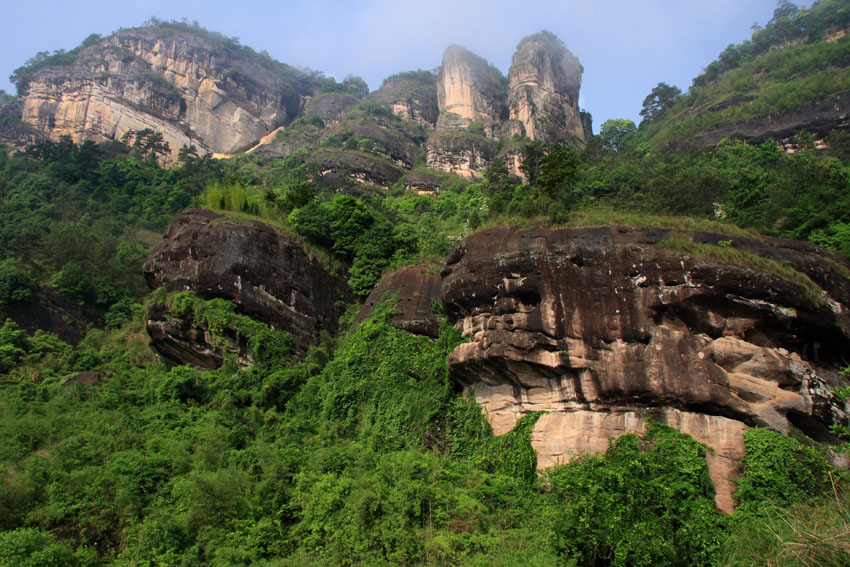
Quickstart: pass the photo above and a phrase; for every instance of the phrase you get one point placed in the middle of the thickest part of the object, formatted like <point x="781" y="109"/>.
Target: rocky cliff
<point x="266" y="273"/>
<point x="478" y="106"/>
<point x="604" y="327"/>
<point x="470" y="87"/>
<point x="193" y="87"/>
<point x="412" y="96"/>
<point x="199" y="88"/>
<point x="544" y="82"/>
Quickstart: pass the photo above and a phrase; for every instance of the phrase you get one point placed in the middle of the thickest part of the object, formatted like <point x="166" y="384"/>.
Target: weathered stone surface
<point x="190" y="89"/>
<point x="412" y="96"/>
<point x="396" y="145"/>
<point x="603" y="327"/>
<point x="416" y="290"/>
<point x="345" y="166"/>
<point x="543" y="84"/>
<point x="15" y="132"/>
<point x="819" y="119"/>
<point x="422" y="181"/>
<point x="86" y="378"/>
<point x="471" y="88"/>
<point x="459" y="153"/>
<point x="264" y="272"/>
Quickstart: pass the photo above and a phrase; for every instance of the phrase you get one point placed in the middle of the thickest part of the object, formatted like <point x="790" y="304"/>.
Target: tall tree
<point x="662" y="97"/>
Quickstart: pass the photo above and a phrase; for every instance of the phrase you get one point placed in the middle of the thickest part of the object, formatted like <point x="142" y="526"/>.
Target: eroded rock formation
<point x="604" y="327"/>
<point x="470" y="87"/>
<point x="190" y="88"/>
<point x="266" y="273"/>
<point x="544" y="82"/>
<point x="412" y="96"/>
<point x="478" y="106"/>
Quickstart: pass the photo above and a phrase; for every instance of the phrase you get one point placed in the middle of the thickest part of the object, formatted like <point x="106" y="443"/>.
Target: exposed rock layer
<point x="603" y="327"/>
<point x="412" y="96"/>
<point x="264" y="272"/>
<point x="469" y="87"/>
<point x="544" y="82"/>
<point x="191" y="89"/>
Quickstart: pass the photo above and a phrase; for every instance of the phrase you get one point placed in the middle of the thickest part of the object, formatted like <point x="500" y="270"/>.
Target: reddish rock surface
<point x="416" y="293"/>
<point x="603" y="327"/>
<point x="265" y="272"/>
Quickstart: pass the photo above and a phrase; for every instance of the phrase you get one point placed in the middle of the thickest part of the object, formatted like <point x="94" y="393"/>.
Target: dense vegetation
<point x="799" y="58"/>
<point x="363" y="452"/>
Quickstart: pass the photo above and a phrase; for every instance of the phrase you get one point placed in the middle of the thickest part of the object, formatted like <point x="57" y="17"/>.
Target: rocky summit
<point x="197" y="88"/>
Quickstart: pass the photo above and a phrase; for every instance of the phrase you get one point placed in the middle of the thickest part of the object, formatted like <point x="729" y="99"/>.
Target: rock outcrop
<point x="603" y="327"/>
<point x="460" y="153"/>
<point x="415" y="291"/>
<point x="266" y="273"/>
<point x="338" y="168"/>
<point x="478" y="106"/>
<point x="544" y="82"/>
<point x="412" y="96"/>
<point x="470" y="87"/>
<point x="190" y="87"/>
<point x="819" y="119"/>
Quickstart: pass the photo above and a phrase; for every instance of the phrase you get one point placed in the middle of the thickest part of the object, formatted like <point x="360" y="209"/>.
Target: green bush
<point x="780" y="470"/>
<point x="646" y="501"/>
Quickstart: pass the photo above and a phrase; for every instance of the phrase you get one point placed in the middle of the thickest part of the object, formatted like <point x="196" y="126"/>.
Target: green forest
<point x="363" y="451"/>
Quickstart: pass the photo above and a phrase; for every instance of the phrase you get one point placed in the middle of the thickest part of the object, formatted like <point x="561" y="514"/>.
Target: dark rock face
<point x="422" y="181"/>
<point x="343" y="167"/>
<point x="86" y="378"/>
<point x="416" y="293"/>
<point x="264" y="272"/>
<point x="819" y="119"/>
<point x="603" y="327"/>
<point x="15" y="132"/>
<point x="394" y="143"/>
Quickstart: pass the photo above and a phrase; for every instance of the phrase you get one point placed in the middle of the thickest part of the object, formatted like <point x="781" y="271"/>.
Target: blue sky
<point x="626" y="46"/>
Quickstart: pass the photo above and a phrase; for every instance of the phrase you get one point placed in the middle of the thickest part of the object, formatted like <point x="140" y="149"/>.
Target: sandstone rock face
<point x="469" y="87"/>
<point x="459" y="153"/>
<point x="264" y="272"/>
<point x="416" y="291"/>
<point x="189" y="88"/>
<point x="412" y="96"/>
<point x="544" y="82"/>
<point x="604" y="327"/>
<point x="477" y="108"/>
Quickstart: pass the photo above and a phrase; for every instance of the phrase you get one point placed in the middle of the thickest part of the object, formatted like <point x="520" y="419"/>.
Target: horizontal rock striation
<point x="603" y="327"/>
<point x="265" y="272"/>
